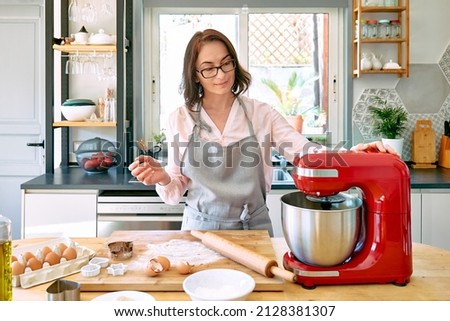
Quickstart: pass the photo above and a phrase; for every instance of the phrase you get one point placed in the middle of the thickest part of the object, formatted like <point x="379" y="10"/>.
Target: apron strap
<point x="199" y="124"/>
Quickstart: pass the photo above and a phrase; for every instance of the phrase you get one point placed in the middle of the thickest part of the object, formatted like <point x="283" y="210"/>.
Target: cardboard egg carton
<point x="50" y="273"/>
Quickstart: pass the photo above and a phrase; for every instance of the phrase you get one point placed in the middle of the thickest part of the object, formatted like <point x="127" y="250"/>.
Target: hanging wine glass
<point x="89" y="13"/>
<point x="74" y="11"/>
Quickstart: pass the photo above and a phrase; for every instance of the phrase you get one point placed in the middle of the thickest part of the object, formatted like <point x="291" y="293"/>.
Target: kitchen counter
<point x="77" y="178"/>
<point x="429" y="282"/>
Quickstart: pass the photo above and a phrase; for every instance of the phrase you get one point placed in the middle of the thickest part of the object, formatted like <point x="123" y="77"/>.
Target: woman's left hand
<point x="374" y="147"/>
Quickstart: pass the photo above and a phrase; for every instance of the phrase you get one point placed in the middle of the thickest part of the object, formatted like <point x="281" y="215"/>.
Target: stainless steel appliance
<point x="136" y="210"/>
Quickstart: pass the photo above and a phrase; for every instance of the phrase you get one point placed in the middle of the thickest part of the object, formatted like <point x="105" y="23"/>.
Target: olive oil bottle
<point x="5" y="259"/>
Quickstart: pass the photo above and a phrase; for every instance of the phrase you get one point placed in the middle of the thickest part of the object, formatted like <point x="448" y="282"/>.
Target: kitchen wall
<point x="426" y="93"/>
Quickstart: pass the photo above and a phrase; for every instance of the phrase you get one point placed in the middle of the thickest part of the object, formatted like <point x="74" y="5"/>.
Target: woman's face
<point x="215" y="54"/>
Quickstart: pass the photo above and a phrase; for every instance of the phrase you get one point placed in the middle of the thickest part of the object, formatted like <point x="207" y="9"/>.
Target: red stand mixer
<point x="384" y="250"/>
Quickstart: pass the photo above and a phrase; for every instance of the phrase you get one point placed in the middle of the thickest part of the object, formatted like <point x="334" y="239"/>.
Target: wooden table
<point x="430" y="281"/>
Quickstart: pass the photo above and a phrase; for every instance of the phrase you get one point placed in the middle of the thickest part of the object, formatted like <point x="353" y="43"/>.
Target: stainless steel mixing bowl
<point x="318" y="234"/>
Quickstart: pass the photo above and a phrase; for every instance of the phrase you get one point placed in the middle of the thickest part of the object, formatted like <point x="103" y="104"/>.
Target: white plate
<point x="125" y="296"/>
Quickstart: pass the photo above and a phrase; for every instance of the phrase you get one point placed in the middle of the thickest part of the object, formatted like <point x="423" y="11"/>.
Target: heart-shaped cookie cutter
<point x="63" y="290"/>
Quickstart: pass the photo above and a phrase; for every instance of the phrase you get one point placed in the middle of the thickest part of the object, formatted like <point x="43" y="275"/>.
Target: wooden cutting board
<point x="135" y="278"/>
<point x="424" y="145"/>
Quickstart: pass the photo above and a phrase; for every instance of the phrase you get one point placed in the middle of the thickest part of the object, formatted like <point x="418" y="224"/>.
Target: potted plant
<point x="289" y="98"/>
<point x="158" y="141"/>
<point x="314" y="120"/>
<point x="389" y="121"/>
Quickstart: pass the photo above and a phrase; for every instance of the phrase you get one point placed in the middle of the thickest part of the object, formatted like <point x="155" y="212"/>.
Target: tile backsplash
<point x="425" y="95"/>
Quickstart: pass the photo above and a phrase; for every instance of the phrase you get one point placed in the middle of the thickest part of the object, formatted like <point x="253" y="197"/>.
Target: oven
<point x="136" y="210"/>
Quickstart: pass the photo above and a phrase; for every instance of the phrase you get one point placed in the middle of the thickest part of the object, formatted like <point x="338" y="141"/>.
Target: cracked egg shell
<point x="164" y="261"/>
<point x="153" y="268"/>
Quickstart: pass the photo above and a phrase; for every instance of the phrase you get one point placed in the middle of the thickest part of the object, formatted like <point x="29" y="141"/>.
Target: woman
<point x="220" y="142"/>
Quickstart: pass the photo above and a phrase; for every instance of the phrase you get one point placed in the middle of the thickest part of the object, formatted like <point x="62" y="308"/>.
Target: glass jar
<point x="372" y="28"/>
<point x="396" y="29"/>
<point x="363" y="25"/>
<point x="384" y="30"/>
<point x="390" y="3"/>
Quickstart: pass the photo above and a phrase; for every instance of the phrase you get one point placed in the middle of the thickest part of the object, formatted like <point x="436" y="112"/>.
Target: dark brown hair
<point x="189" y="87"/>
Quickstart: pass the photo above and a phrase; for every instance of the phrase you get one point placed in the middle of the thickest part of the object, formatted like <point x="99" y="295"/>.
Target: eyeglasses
<point x="212" y="72"/>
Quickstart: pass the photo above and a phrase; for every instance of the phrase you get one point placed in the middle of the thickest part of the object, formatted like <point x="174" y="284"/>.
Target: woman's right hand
<point x="149" y="171"/>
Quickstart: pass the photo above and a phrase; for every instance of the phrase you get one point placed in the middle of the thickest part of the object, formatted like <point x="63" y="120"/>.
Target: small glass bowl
<point x="97" y="155"/>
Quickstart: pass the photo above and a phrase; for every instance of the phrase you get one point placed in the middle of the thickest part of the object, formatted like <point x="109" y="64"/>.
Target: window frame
<point x="339" y="93"/>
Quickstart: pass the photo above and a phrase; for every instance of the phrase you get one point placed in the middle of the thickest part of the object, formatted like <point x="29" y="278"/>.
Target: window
<point x="273" y="44"/>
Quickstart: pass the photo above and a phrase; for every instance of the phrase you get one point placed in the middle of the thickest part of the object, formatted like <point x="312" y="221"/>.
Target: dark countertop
<point x="77" y="178"/>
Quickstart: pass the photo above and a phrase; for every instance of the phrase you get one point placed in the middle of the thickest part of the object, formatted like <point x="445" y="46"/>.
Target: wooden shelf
<point x="396" y="41"/>
<point x="382" y="71"/>
<point x="85" y="48"/>
<point x="382" y="9"/>
<point x="66" y="123"/>
<point x="401" y="13"/>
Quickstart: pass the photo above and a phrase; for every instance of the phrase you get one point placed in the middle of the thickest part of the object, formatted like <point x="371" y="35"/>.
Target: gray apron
<point x="227" y="184"/>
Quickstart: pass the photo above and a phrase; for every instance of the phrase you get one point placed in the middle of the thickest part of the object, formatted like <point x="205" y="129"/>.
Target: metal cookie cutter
<point x="63" y="290"/>
<point x="121" y="250"/>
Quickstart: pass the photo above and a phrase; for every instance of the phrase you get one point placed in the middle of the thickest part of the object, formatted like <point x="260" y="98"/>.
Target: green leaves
<point x="289" y="100"/>
<point x="390" y="121"/>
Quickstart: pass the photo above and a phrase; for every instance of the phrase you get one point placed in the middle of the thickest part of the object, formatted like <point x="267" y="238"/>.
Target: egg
<point x="62" y="247"/>
<point x="17" y="268"/>
<point x="69" y="253"/>
<point x="52" y="258"/>
<point x="34" y="264"/>
<point x="13" y="258"/>
<point x="27" y="256"/>
<point x="45" y="250"/>
<point x="153" y="268"/>
<point x="164" y="261"/>
<point x="184" y="267"/>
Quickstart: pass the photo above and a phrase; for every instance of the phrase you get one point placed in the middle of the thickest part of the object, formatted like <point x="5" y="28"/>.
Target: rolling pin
<point x="255" y="261"/>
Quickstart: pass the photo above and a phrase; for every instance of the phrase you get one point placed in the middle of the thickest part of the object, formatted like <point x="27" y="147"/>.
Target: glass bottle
<point x="5" y="259"/>
<point x="396" y="29"/>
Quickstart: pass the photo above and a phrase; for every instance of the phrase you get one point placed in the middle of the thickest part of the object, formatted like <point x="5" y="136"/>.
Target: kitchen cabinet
<point x="436" y="217"/>
<point x="51" y="103"/>
<point x="430" y="217"/>
<point x="54" y="213"/>
<point x="363" y="42"/>
<point x="416" y="215"/>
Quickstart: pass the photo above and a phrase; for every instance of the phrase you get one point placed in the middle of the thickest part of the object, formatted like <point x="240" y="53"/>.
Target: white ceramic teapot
<point x="100" y="38"/>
